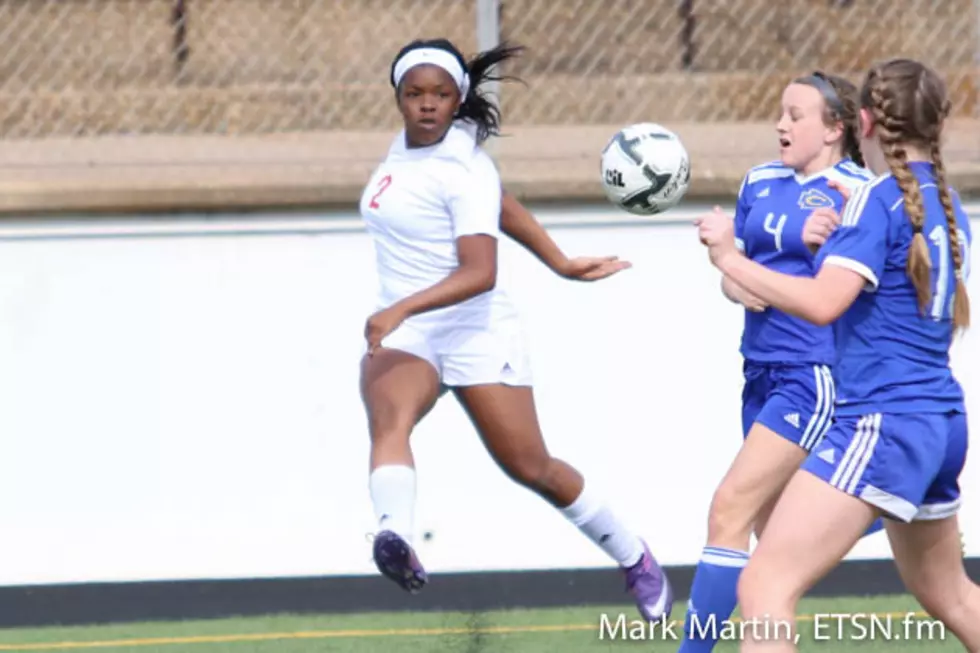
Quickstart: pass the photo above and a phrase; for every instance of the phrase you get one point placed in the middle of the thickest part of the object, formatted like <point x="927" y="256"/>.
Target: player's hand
<point x="747" y="299"/>
<point x="753" y="303"/>
<point x="717" y="231"/>
<point x="592" y="268"/>
<point x="840" y="188"/>
<point x="380" y="325"/>
<point x="818" y="227"/>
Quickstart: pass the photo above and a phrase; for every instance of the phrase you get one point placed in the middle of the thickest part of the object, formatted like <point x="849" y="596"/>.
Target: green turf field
<point x="519" y="631"/>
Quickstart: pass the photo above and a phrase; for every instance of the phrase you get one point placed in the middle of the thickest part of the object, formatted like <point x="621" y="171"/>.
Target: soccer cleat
<point x="397" y="561"/>
<point x="648" y="584"/>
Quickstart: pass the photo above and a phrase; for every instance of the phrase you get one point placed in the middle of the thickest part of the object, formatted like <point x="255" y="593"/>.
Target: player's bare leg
<point x="398" y="389"/>
<point x="777" y="576"/>
<point x="506" y="418"/>
<point x="930" y="561"/>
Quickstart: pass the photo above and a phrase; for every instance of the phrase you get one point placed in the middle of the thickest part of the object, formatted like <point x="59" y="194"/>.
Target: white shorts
<point x="465" y="356"/>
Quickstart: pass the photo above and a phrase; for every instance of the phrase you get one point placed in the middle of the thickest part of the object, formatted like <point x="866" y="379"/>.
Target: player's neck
<point x="820" y="163"/>
<point x="415" y="144"/>
<point x="913" y="153"/>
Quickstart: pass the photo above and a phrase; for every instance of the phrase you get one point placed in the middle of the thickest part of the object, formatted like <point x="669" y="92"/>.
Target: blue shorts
<point x="795" y="401"/>
<point x="908" y="465"/>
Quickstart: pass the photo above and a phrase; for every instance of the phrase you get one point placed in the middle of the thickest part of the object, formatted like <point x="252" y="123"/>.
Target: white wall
<point x="187" y="406"/>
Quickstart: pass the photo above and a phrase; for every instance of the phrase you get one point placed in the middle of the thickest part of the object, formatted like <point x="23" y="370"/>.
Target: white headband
<point x="436" y="57"/>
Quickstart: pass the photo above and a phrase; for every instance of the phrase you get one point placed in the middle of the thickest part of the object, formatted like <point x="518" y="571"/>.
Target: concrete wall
<point x="178" y="399"/>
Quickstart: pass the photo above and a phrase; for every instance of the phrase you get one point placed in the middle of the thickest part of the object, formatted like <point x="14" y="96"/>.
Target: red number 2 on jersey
<point x="382" y="187"/>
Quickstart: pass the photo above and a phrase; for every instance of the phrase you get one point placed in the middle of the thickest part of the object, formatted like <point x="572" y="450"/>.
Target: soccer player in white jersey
<point x="433" y="208"/>
<point x="893" y="278"/>
<point x="785" y="211"/>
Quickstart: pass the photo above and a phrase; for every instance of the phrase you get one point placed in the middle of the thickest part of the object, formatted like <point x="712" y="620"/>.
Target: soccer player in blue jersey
<point x="785" y="211"/>
<point x="893" y="278"/>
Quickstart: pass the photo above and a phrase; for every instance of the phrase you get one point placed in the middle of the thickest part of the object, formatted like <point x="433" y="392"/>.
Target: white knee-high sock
<point x="393" y="495"/>
<point x="603" y="527"/>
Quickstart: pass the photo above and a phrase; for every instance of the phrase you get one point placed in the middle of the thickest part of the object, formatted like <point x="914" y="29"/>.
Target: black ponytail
<point x="476" y="107"/>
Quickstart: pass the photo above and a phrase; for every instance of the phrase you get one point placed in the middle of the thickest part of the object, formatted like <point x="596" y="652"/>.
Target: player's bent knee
<point x="749" y="588"/>
<point x="759" y="586"/>
<point x="731" y="513"/>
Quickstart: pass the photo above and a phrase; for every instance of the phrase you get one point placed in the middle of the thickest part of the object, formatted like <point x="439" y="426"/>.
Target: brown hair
<point x="841" y="105"/>
<point x="909" y="105"/>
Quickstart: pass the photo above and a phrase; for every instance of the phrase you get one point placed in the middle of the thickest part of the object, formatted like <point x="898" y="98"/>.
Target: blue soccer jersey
<point x="893" y="357"/>
<point x="774" y="203"/>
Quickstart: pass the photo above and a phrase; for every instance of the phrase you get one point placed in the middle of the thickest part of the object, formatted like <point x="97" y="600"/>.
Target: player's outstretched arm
<point x="520" y="224"/>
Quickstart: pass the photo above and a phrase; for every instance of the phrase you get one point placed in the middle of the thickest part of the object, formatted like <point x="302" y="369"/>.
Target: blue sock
<point x="877" y="525"/>
<point x="713" y="598"/>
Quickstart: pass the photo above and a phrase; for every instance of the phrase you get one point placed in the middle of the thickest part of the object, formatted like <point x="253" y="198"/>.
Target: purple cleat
<point x="396" y="560"/>
<point x="648" y="584"/>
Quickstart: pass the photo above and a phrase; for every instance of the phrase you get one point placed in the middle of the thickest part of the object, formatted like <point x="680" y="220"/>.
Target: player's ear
<point x="835" y="134"/>
<point x="867" y="124"/>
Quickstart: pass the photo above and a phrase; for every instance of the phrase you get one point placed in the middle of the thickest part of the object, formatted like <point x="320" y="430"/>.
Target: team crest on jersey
<point x="814" y="198"/>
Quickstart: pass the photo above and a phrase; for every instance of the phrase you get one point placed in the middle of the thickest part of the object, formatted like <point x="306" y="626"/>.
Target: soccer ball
<point x="645" y="169"/>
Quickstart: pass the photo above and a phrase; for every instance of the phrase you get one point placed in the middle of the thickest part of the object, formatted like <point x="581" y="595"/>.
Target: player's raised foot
<point x="648" y="584"/>
<point x="397" y="561"/>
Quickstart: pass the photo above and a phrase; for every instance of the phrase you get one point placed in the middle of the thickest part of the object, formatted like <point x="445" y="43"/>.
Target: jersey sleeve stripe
<point x="854" y="266"/>
<point x="855" y="206"/>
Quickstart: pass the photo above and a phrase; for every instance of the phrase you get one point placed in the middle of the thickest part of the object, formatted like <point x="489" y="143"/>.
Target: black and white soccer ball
<point x="645" y="169"/>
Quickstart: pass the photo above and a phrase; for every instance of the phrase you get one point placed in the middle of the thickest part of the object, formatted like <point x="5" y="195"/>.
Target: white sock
<point x="393" y="495"/>
<point x="602" y="527"/>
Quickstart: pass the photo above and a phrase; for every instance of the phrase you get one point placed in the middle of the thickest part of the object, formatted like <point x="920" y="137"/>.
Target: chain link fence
<point x="93" y="67"/>
<point x="617" y="61"/>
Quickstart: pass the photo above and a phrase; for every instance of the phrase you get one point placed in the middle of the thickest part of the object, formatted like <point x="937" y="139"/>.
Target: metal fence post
<point x="488" y="27"/>
<point x="976" y="61"/>
<point x="488" y="36"/>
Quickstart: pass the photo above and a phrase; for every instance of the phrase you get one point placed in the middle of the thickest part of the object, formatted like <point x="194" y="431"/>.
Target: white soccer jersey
<point x="417" y="203"/>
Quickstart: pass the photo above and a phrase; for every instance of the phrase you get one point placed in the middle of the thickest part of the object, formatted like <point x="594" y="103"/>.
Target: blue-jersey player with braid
<point x="893" y="279"/>
<point x="785" y="211"/>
